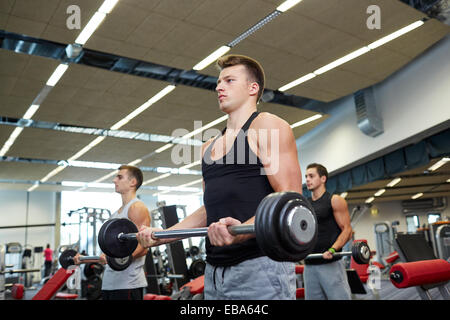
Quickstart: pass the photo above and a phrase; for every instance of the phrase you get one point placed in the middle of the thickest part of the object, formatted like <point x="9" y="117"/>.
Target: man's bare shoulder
<point x="267" y="120"/>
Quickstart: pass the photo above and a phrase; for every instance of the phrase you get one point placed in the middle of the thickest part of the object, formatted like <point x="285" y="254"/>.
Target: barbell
<point x="360" y="253"/>
<point x="285" y="229"/>
<point x="66" y="259"/>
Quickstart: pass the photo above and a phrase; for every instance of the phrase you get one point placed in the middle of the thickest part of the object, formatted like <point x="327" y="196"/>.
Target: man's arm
<point x="139" y="214"/>
<point x="342" y="217"/>
<point x="278" y="152"/>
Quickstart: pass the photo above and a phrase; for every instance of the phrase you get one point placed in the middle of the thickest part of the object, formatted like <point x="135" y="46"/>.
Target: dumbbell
<point x="360" y="253"/>
<point x="66" y="259"/>
<point x="285" y="228"/>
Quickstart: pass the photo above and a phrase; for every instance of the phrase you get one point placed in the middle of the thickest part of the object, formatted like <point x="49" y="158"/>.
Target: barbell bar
<point x="360" y="253"/>
<point x="285" y="228"/>
<point x="66" y="259"/>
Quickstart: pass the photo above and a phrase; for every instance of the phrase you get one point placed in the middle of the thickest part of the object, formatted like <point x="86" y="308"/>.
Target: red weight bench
<point x="49" y="290"/>
<point x="66" y="296"/>
<point x="196" y="286"/>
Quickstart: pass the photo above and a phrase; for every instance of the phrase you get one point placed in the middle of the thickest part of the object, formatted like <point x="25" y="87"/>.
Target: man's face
<point x="233" y="88"/>
<point x="123" y="181"/>
<point x="313" y="180"/>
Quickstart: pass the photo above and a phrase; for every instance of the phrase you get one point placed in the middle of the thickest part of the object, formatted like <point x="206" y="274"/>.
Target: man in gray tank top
<point x="127" y="284"/>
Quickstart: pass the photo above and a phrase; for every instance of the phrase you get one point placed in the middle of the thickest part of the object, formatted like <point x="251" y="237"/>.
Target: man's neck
<point x="318" y="192"/>
<point x="238" y="117"/>
<point x="127" y="197"/>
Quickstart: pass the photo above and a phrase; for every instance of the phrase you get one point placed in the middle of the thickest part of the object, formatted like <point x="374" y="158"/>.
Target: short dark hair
<point x="321" y="170"/>
<point x="135" y="172"/>
<point x="254" y="69"/>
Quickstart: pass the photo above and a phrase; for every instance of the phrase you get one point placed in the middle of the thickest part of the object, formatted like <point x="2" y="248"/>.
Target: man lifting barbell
<point x="127" y="283"/>
<point x="326" y="278"/>
<point x="233" y="189"/>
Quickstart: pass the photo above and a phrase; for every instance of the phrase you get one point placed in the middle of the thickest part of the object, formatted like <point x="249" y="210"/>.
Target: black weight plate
<point x="286" y="252"/>
<point x="93" y="268"/>
<point x="94" y="288"/>
<point x="108" y="238"/>
<point x="197" y="268"/>
<point x="66" y="258"/>
<point x="263" y="222"/>
<point x="271" y="243"/>
<point x="119" y="264"/>
<point x="101" y="237"/>
<point x="361" y="252"/>
<point x="299" y="227"/>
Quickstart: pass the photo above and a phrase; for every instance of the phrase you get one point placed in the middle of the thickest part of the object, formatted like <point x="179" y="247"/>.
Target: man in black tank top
<point x="253" y="156"/>
<point x="326" y="278"/>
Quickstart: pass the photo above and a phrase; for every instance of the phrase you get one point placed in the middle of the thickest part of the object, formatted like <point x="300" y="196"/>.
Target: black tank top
<point x="234" y="187"/>
<point x="328" y="229"/>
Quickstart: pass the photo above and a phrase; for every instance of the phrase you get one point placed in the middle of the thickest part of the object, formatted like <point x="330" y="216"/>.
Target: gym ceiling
<point x="170" y="37"/>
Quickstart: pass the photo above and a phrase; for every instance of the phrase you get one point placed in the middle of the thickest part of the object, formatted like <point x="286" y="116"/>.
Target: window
<point x="433" y="217"/>
<point x="412" y="223"/>
<point x="74" y="229"/>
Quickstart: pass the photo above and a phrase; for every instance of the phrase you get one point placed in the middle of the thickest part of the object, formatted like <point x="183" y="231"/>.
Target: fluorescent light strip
<point x="181" y="186"/>
<point x="369" y="200"/>
<point x="16" y="132"/>
<point x="439" y="164"/>
<point x="90" y="28"/>
<point x="190" y="134"/>
<point x="417" y="195"/>
<point x="352" y="55"/>
<point x="57" y="74"/>
<point x="144" y="106"/>
<point x="94" y="142"/>
<point x="394" y="182"/>
<point x="52" y="173"/>
<point x="87" y="184"/>
<point x="206" y="126"/>
<point x="107" y="6"/>
<point x="395" y="34"/>
<point x="305" y="121"/>
<point x="211" y="58"/>
<point x="190" y="165"/>
<point x="448" y="180"/>
<point x="31" y="111"/>
<point x="33" y="187"/>
<point x="342" y="60"/>
<point x="285" y="6"/>
<point x="379" y="192"/>
<point x="157" y="178"/>
<point x="294" y="83"/>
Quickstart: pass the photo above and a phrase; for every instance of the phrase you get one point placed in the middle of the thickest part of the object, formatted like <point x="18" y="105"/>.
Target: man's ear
<point x="253" y="88"/>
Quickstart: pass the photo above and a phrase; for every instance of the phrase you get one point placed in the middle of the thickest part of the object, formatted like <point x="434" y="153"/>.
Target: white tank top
<point x="132" y="277"/>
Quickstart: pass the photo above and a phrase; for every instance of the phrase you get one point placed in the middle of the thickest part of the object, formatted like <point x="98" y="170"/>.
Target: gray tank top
<point x="132" y="277"/>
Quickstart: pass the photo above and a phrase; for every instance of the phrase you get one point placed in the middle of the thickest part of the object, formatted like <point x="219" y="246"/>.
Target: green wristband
<point x="332" y="250"/>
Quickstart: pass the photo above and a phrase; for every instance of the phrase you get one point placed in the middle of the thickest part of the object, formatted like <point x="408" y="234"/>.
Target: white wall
<point x="14" y="210"/>
<point x="412" y="100"/>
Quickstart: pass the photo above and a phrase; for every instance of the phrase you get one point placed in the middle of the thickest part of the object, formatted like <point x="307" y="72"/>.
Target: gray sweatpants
<point x="326" y="282"/>
<point x="256" y="279"/>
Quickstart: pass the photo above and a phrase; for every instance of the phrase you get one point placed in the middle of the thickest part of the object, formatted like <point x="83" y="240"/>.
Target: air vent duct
<point x="429" y="204"/>
<point x="369" y="119"/>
